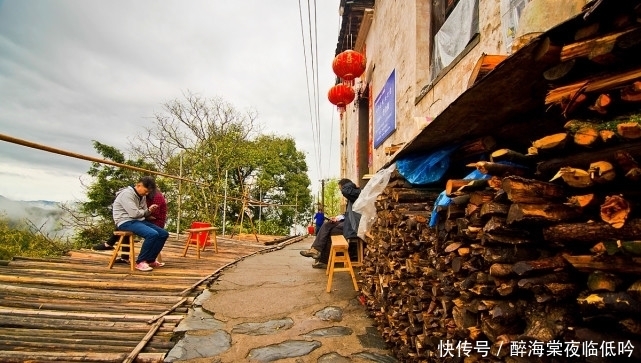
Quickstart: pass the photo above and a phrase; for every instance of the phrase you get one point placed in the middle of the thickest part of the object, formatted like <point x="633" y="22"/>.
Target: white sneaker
<point x="143" y="266"/>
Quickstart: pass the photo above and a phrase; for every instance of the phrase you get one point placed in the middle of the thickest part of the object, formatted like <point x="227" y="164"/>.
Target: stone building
<point x="421" y="56"/>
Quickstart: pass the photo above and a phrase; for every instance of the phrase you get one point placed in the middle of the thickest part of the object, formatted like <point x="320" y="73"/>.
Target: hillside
<point x="45" y="215"/>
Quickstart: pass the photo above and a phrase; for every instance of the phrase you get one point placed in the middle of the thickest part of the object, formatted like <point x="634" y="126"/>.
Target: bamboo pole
<point x="176" y="305"/>
<point x="34" y="145"/>
<point x="105" y="285"/>
<point x="179" y="199"/>
<point x="79" y="324"/>
<point x="71" y="314"/>
<point x="14" y="356"/>
<point x="130" y="358"/>
<point x="81" y="295"/>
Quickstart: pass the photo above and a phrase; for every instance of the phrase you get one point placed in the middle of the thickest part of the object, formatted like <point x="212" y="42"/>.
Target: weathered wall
<point x="399" y="39"/>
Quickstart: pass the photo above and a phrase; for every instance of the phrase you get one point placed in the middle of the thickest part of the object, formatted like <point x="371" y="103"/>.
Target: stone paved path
<point x="273" y="307"/>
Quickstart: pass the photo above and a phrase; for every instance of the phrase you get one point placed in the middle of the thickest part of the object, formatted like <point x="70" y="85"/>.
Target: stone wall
<point x="399" y="40"/>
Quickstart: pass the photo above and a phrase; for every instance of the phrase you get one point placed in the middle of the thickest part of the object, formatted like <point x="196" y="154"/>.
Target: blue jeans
<point x="154" y="236"/>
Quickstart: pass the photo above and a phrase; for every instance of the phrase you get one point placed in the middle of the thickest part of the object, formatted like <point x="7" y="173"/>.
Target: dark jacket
<point x="351" y="192"/>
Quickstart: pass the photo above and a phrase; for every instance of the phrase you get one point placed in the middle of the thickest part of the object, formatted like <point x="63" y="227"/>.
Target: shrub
<point x="90" y="234"/>
<point x="20" y="240"/>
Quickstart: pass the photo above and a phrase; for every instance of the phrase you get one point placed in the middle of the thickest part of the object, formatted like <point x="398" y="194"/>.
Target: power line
<point x="315" y="130"/>
<point x="314" y="82"/>
<point x="318" y="120"/>
<point x="331" y="130"/>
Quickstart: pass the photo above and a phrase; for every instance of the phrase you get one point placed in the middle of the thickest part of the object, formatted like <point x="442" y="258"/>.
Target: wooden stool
<point x="339" y="254"/>
<point x="200" y="234"/>
<point x="126" y="237"/>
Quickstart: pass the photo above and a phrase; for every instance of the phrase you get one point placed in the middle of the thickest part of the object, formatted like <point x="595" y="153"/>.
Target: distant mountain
<point x="45" y="215"/>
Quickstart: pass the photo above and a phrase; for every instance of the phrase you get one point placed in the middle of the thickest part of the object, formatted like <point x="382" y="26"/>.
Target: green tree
<point x="201" y="139"/>
<point x="93" y="218"/>
<point x="221" y="149"/>
<point x="333" y="198"/>
<point x="281" y="177"/>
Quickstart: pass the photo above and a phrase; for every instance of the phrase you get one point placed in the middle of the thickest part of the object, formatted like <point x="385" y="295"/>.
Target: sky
<point x="73" y="71"/>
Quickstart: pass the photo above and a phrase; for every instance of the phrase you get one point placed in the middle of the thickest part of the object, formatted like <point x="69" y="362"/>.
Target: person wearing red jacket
<point x="158" y="216"/>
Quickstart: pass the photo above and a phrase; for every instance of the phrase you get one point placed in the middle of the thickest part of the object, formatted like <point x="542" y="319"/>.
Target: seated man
<point x="323" y="241"/>
<point x="129" y="213"/>
<point x="158" y="217"/>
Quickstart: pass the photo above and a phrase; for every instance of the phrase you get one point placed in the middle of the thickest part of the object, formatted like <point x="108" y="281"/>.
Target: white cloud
<point x="77" y="71"/>
<point x="21" y="182"/>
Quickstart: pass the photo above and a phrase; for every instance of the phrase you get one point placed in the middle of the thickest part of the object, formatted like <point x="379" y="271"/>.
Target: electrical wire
<point x="312" y="65"/>
<point x="331" y="128"/>
<point x="318" y="125"/>
<point x="309" y="98"/>
<point x="314" y="82"/>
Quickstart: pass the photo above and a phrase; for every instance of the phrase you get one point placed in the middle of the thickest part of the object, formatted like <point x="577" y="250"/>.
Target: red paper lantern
<point x="341" y="94"/>
<point x="349" y="64"/>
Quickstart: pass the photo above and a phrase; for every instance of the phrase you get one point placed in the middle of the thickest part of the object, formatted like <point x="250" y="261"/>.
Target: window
<point x="510" y="14"/>
<point x="454" y="24"/>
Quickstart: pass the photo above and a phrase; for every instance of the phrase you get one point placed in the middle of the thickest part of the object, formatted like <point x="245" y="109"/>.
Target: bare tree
<point x="210" y="136"/>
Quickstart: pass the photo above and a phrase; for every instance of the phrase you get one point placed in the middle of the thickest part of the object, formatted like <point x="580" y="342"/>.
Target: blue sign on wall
<point x="385" y="111"/>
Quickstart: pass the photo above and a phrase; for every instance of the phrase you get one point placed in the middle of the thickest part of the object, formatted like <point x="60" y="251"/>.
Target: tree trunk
<point x="550" y="264"/>
<point x="608" y="303"/>
<point x="520" y="190"/>
<point x="494" y="209"/>
<point x="459" y="186"/>
<point x="610" y="264"/>
<point x="592" y="232"/>
<point x="512" y="157"/>
<point x="500" y="170"/>
<point x="520" y="212"/>
<point x="615" y="210"/>
<point x="582" y="160"/>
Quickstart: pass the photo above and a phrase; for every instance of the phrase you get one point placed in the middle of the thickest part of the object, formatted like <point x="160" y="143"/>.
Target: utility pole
<point x="179" y="199"/>
<point x="224" y="203"/>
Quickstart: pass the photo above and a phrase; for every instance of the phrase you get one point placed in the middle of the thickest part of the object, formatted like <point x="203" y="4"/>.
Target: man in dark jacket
<point x="351" y="192"/>
<point x="323" y="241"/>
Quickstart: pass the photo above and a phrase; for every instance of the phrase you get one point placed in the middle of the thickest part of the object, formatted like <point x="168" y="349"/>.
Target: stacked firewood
<point x="510" y="261"/>
<point x="546" y="248"/>
<point x="394" y="284"/>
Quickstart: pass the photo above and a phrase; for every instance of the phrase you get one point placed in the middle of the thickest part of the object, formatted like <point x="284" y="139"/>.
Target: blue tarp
<point x="422" y="170"/>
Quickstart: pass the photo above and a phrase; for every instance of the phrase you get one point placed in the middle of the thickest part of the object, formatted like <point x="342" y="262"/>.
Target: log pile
<point x="546" y="247"/>
<point x="509" y="264"/>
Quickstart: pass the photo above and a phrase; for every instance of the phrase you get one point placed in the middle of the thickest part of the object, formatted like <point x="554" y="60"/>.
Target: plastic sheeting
<point x="457" y="31"/>
<point x="365" y="204"/>
<point x="425" y="169"/>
